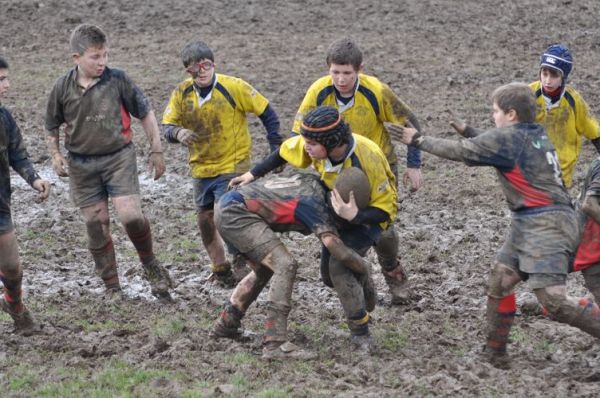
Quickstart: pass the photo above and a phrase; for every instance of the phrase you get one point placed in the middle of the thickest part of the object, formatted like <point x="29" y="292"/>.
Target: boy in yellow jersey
<point x="326" y="143"/>
<point x="365" y="104"/>
<point x="562" y="111"/>
<point x="207" y="113"/>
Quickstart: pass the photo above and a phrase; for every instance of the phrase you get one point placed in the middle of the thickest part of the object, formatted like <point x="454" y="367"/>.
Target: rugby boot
<point x="362" y="344"/>
<point x="159" y="279"/>
<point x="229" y="323"/>
<point x="23" y="320"/>
<point x="285" y="351"/>
<point x="397" y="281"/>
<point x="223" y="275"/>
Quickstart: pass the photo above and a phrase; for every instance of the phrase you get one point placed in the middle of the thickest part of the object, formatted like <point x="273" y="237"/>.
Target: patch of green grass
<point x="394" y="339"/>
<point x="272" y="392"/>
<point x="545" y="346"/>
<point x="243" y="358"/>
<point x="169" y="326"/>
<point x="23" y="379"/>
<point x="518" y="335"/>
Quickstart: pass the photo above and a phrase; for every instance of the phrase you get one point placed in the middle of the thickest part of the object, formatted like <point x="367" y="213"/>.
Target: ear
<point x="76" y="57"/>
<point x="512" y="115"/>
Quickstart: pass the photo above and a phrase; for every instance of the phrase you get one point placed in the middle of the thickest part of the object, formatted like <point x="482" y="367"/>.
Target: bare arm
<point x="156" y="161"/>
<point x="591" y="207"/>
<point x="59" y="163"/>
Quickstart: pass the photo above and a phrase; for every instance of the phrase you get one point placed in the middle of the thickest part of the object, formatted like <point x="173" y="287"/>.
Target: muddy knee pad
<point x="348" y="288"/>
<point x="591" y="277"/>
<point x="497" y="287"/>
<point x="276" y="322"/>
<point x="387" y="249"/>
<point x="284" y="273"/>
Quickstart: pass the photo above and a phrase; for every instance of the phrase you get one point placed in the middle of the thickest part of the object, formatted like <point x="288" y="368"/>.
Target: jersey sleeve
<point x="494" y="148"/>
<point x="292" y="150"/>
<point x="394" y="109"/>
<point x="249" y="99"/>
<point x="308" y="102"/>
<point x="54" y="109"/>
<point x="18" y="157"/>
<point x="134" y="99"/>
<point x="172" y="113"/>
<point x="586" y="123"/>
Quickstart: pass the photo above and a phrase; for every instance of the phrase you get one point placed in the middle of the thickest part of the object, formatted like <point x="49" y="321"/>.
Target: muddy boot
<point x="159" y="279"/>
<point x="500" y="318"/>
<point x="223" y="275"/>
<point x="362" y="344"/>
<point x="229" y="323"/>
<point x="23" y="320"/>
<point x="397" y="281"/>
<point x="286" y="351"/>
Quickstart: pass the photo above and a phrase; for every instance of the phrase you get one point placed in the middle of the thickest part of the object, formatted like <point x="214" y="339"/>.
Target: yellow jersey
<point x="566" y="123"/>
<point x="222" y="141"/>
<point x="365" y="155"/>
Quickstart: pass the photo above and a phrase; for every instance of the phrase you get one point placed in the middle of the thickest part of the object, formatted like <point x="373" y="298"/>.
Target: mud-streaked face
<point x="92" y="62"/>
<point x="4" y="82"/>
<point x="344" y="78"/>
<point x="551" y="79"/>
<point x="202" y="72"/>
<point x="314" y="149"/>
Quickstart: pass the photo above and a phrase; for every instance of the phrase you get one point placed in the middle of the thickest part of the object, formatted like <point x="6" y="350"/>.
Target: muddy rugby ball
<point x="355" y="180"/>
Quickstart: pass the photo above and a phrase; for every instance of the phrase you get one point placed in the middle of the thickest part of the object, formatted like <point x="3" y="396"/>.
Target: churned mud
<point x="437" y="56"/>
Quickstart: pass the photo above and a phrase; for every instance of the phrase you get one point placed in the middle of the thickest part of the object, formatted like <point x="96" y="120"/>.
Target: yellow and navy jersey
<point x="222" y="141"/>
<point x="566" y="123"/>
<point x="373" y="104"/>
<point x="365" y="155"/>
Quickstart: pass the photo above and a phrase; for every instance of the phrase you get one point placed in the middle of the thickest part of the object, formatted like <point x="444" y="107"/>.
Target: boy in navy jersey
<point x="543" y="229"/>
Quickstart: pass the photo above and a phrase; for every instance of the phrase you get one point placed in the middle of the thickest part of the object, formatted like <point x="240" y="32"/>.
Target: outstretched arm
<point x="446" y="149"/>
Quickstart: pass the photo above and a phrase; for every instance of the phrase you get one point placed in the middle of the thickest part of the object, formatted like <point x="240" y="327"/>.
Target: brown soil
<point x="437" y="56"/>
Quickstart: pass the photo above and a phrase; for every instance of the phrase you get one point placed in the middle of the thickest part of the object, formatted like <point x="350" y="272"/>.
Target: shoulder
<point x="535" y="85"/>
<point x="365" y="144"/>
<point x="231" y="81"/>
<point x="185" y="85"/>
<point x="569" y="90"/>
<point x="320" y="84"/>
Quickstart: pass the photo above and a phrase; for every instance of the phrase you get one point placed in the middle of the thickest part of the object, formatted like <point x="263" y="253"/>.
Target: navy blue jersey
<point x="12" y="154"/>
<point x="523" y="156"/>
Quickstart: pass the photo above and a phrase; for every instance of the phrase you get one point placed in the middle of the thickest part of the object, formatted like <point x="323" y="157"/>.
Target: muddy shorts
<point x="539" y="245"/>
<point x="208" y="191"/>
<point x="93" y="178"/>
<point x="6" y="224"/>
<point x="246" y="231"/>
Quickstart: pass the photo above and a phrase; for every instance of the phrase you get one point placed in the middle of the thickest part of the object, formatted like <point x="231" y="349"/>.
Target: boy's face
<point x="92" y="62"/>
<point x="314" y="149"/>
<point x="202" y="72"/>
<point x="4" y="83"/>
<point x="551" y="79"/>
<point x="503" y="119"/>
<point x="344" y="78"/>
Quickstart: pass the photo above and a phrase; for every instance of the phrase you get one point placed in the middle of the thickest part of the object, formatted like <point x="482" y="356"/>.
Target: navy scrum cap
<point x="557" y="57"/>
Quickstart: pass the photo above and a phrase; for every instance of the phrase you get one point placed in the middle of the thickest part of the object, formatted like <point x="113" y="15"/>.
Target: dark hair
<point x="325" y="125"/>
<point x="517" y="96"/>
<point x="3" y="63"/>
<point x="86" y="36"/>
<point x="344" y="51"/>
<point x="194" y="51"/>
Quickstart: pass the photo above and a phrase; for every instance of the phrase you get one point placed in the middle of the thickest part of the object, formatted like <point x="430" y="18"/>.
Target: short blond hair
<point x="86" y="36"/>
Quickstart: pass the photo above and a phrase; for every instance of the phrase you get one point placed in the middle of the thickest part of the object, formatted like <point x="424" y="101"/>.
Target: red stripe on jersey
<point x="531" y="196"/>
<point x="588" y="252"/>
<point x="507" y="304"/>
<point x="279" y="212"/>
<point x="126" y="124"/>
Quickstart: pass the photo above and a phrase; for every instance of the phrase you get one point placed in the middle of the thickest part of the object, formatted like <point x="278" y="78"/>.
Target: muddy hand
<point x="457" y="124"/>
<point x="345" y="210"/>
<point x="401" y="133"/>
<point x="185" y="136"/>
<point x="413" y="178"/>
<point x="244" y="179"/>
<point x="156" y="162"/>
<point x="43" y="187"/>
<point x="59" y="165"/>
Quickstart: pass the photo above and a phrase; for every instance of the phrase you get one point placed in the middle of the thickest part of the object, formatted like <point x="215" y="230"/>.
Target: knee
<point x="502" y="281"/>
<point x="135" y="226"/>
<point x="97" y="230"/>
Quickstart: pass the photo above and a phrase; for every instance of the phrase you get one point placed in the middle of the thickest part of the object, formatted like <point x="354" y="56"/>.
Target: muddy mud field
<point x="438" y="56"/>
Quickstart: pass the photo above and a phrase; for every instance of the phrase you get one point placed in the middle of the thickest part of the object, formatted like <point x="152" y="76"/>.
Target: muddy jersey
<point x="98" y="119"/>
<point x="588" y="252"/>
<point x="365" y="155"/>
<point x="373" y="104"/>
<point x="222" y="141"/>
<point x="524" y="158"/>
<point x="566" y="123"/>
<point x="12" y="154"/>
<point x="297" y="203"/>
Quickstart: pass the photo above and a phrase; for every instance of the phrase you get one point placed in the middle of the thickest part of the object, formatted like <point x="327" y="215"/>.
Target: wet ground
<point x="437" y="56"/>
